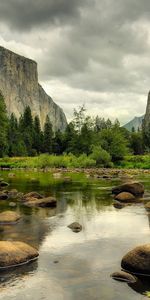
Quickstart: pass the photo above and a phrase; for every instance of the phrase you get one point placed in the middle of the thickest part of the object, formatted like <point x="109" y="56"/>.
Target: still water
<point x="74" y="265"/>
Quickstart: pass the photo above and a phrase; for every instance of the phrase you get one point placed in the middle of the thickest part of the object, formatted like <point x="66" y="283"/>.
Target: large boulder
<point x="135" y="188"/>
<point x="137" y="260"/>
<point x="124" y="276"/>
<point x="43" y="202"/>
<point x="8" y="217"/>
<point x="3" y="184"/>
<point x="125" y="197"/>
<point x="16" y="253"/>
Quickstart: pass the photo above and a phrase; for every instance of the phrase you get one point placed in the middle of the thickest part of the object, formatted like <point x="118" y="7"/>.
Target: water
<point x="73" y="265"/>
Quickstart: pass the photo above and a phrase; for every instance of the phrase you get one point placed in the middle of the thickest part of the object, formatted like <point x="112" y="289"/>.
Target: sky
<point x="91" y="52"/>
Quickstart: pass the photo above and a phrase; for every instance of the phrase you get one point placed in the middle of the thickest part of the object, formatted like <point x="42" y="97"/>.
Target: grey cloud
<point x="27" y="14"/>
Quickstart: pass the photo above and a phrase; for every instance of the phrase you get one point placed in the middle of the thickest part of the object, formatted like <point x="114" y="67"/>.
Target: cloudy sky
<point x="92" y="52"/>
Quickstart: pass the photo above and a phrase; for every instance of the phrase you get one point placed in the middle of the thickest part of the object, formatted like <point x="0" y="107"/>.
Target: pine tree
<point x="37" y="135"/>
<point x="26" y="130"/>
<point x="47" y="136"/>
<point x="3" y="127"/>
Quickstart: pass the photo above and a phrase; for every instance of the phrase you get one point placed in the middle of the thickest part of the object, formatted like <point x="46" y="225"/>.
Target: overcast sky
<point x="95" y="52"/>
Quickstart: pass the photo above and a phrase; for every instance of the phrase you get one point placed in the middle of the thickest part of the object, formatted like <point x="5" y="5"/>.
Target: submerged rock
<point x="147" y="206"/>
<point x="125" y="197"/>
<point x="137" y="260"/>
<point x="75" y="227"/>
<point x="118" y="205"/>
<point x="9" y="217"/>
<point x="135" y="188"/>
<point x="44" y="202"/>
<point x="16" y="253"/>
<point x="124" y="276"/>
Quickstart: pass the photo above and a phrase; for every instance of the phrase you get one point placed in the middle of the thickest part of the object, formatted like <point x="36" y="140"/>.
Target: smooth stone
<point x="75" y="227"/>
<point x="118" y="205"/>
<point x="12" y="204"/>
<point x="44" y="202"/>
<point x="31" y="195"/>
<point x="124" y="276"/>
<point x="137" y="260"/>
<point x="3" y="196"/>
<point x="9" y="217"/>
<point x="135" y="188"/>
<point x="125" y="197"/>
<point x="3" y="184"/>
<point x="13" y="254"/>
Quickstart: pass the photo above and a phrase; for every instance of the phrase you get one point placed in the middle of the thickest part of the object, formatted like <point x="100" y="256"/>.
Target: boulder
<point x="118" y="205"/>
<point x="137" y="260"/>
<point x="13" y="254"/>
<point x="124" y="276"/>
<point x="31" y="195"/>
<point x="9" y="217"/>
<point x="44" y="202"/>
<point x="3" y="196"/>
<point x="135" y="188"/>
<point x="75" y="227"/>
<point x="13" y="193"/>
<point x="147" y="206"/>
<point x="3" y="184"/>
<point x="125" y="197"/>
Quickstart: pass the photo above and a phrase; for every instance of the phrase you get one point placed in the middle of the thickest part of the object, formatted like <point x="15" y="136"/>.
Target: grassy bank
<point x="51" y="161"/>
<point x="71" y="161"/>
<point x="135" y="162"/>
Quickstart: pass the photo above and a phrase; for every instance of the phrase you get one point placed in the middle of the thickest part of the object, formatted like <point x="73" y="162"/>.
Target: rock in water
<point x="124" y="276"/>
<point x="137" y="260"/>
<point x="8" y="217"/>
<point x="125" y="197"/>
<point x="20" y="88"/>
<point x="16" y="253"/>
<point x="44" y="202"/>
<point x="75" y="226"/>
<point x="135" y="188"/>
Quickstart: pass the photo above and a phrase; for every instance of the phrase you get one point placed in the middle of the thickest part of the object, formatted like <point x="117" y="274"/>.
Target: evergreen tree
<point x="58" y="143"/>
<point x="37" y="135"/>
<point x="26" y="130"/>
<point x="3" y="127"/>
<point x="47" y="136"/>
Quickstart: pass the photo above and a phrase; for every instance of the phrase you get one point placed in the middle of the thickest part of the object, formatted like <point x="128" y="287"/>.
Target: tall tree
<point x="47" y="136"/>
<point x="3" y="127"/>
<point x="37" y="135"/>
<point x="26" y="129"/>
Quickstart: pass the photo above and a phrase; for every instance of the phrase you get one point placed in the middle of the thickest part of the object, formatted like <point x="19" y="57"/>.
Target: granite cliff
<point x="20" y="88"/>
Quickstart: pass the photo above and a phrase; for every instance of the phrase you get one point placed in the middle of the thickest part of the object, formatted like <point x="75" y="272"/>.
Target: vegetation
<point x="86" y="142"/>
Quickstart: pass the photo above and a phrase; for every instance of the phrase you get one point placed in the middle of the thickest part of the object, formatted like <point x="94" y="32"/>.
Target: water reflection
<point x="84" y="260"/>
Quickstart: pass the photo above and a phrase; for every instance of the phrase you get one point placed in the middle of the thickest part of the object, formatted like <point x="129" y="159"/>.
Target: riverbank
<point x="70" y="162"/>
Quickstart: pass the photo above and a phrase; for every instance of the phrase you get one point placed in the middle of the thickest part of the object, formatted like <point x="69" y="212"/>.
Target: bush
<point x="101" y="156"/>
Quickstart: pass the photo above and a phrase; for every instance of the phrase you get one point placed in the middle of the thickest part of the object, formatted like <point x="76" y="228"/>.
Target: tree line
<point x="103" y="140"/>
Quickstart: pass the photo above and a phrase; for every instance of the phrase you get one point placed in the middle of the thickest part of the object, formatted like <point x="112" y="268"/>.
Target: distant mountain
<point x="136" y="123"/>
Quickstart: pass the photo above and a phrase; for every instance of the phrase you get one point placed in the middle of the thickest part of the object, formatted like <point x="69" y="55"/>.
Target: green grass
<point x="51" y="161"/>
<point x="135" y="162"/>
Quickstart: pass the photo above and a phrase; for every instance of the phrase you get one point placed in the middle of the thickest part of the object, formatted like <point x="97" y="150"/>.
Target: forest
<point x="97" y="141"/>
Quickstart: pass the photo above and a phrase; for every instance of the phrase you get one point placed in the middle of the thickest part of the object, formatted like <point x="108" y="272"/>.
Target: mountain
<point x="147" y="115"/>
<point x="136" y="123"/>
<point x="20" y="88"/>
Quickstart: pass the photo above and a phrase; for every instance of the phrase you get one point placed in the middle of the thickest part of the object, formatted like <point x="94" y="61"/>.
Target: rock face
<point x="136" y="123"/>
<point x="137" y="260"/>
<point x="20" y="88"/>
<point x="15" y="253"/>
<point x="146" y="121"/>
